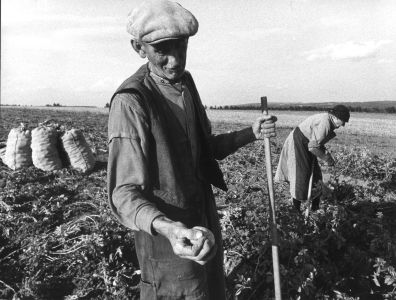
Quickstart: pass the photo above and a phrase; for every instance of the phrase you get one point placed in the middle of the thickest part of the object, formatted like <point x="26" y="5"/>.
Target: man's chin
<point x="174" y="76"/>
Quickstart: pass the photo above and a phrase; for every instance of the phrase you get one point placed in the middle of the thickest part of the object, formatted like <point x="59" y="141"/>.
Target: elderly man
<point x="162" y="161"/>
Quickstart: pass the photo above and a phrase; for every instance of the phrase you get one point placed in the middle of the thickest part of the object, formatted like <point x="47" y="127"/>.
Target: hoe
<point x="274" y="231"/>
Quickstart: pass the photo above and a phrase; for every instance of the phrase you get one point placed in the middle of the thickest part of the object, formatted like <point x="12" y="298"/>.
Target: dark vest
<point x="175" y="183"/>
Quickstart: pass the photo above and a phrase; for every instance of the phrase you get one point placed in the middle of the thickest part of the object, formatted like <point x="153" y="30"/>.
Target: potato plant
<point x="58" y="239"/>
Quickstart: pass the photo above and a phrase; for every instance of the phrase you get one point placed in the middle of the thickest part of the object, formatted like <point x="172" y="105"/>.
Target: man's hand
<point x="197" y="244"/>
<point x="264" y="126"/>
<point x="209" y="247"/>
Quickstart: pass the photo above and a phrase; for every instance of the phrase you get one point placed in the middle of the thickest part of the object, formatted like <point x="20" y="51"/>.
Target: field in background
<point x="374" y="124"/>
<point x="375" y="131"/>
<point x="59" y="108"/>
<point x="59" y="240"/>
<point x="372" y="130"/>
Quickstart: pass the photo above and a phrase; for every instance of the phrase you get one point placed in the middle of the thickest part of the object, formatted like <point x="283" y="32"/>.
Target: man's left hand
<point x="264" y="126"/>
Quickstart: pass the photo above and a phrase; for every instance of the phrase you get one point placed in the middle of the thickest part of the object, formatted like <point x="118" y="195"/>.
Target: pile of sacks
<point x="48" y="148"/>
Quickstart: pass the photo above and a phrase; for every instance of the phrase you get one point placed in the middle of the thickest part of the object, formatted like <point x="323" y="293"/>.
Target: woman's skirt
<point x="296" y="164"/>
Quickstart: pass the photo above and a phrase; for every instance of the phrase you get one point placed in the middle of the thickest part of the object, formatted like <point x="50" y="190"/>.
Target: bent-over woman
<point x="301" y="150"/>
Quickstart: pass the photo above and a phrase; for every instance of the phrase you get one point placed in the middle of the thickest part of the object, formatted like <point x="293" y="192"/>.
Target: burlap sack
<point x="2" y="153"/>
<point x="18" y="153"/>
<point x="45" y="154"/>
<point x="78" y="151"/>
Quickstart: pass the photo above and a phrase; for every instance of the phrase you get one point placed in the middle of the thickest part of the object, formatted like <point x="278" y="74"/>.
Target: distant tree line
<point x="388" y="110"/>
<point x="54" y="104"/>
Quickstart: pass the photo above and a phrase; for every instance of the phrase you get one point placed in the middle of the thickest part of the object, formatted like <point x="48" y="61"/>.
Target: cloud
<point x="347" y="51"/>
<point x="64" y="40"/>
<point x="338" y="21"/>
<point x="26" y="13"/>
<point x="385" y="61"/>
<point x="60" y="19"/>
<point x="278" y="86"/>
<point x="258" y="33"/>
<point x="105" y="84"/>
<point x="93" y="31"/>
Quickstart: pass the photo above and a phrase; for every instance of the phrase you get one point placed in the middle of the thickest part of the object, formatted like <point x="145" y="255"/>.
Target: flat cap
<point x="155" y="21"/>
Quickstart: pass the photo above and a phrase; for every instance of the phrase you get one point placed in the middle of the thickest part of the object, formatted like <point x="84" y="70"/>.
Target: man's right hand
<point x="197" y="244"/>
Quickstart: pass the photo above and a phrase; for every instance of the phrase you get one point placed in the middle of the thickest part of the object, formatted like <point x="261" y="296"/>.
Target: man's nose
<point x="175" y="57"/>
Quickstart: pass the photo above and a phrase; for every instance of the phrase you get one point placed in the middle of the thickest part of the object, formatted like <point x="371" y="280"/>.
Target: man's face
<point x="168" y="58"/>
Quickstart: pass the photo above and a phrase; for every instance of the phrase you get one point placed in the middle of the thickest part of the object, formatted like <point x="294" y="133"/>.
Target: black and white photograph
<point x="198" y="150"/>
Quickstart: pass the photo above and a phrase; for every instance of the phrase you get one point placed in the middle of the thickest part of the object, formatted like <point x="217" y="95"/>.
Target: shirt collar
<point x="332" y="125"/>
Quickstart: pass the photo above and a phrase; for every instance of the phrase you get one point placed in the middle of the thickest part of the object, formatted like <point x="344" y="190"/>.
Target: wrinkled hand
<point x="264" y="126"/>
<point x="197" y="244"/>
<point x="194" y="244"/>
<point x="209" y="247"/>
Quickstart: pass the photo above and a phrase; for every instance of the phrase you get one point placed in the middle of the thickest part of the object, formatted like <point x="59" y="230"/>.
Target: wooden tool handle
<point x="274" y="231"/>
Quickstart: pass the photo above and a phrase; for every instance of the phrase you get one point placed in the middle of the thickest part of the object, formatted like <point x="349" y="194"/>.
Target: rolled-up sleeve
<point x="127" y="164"/>
<point x="227" y="143"/>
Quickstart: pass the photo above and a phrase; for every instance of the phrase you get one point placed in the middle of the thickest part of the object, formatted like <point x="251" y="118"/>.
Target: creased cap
<point x="155" y="21"/>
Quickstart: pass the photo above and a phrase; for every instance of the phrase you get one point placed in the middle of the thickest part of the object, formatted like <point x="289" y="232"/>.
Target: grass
<point x="374" y="131"/>
<point x="382" y="125"/>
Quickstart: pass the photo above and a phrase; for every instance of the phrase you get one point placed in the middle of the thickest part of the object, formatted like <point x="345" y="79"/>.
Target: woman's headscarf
<point x="341" y="112"/>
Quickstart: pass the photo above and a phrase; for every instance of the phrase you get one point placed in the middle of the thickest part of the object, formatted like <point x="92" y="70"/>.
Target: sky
<point x="77" y="52"/>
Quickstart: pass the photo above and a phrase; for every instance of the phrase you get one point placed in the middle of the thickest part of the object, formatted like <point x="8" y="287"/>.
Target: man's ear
<point x="138" y="47"/>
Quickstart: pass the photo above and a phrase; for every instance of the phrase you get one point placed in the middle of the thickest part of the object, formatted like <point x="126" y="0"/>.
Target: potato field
<point x="59" y="240"/>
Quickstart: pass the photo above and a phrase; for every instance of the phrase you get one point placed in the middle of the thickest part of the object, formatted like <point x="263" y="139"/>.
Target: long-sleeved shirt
<point x="296" y="161"/>
<point x="318" y="129"/>
<point x="129" y="139"/>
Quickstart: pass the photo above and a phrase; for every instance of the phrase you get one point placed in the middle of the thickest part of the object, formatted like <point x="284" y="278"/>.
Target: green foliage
<point x="58" y="239"/>
<point x="335" y="253"/>
<point x="385" y="276"/>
